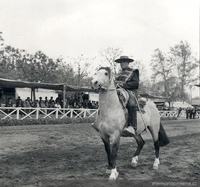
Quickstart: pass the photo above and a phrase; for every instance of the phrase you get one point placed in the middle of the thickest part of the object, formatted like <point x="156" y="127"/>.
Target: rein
<point x="109" y="89"/>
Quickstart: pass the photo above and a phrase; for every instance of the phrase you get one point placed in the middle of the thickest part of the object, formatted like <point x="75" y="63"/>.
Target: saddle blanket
<point x="124" y="97"/>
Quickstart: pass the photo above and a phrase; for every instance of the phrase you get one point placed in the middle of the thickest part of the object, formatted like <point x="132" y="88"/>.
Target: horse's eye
<point x="106" y="74"/>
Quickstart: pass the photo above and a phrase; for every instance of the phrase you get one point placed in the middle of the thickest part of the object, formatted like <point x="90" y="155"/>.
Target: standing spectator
<point x="187" y="112"/>
<point x="37" y="104"/>
<point x="46" y="102"/>
<point x="51" y="103"/>
<point x="59" y="100"/>
<point x="19" y="102"/>
<point x="190" y="113"/>
<point x="41" y="103"/>
<point x="179" y="111"/>
<point x="193" y="111"/>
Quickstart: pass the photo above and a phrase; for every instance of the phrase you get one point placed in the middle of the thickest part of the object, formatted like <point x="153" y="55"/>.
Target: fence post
<point x="17" y="113"/>
<point x="84" y="114"/>
<point x="57" y="113"/>
<point x="71" y="113"/>
<point x="37" y="113"/>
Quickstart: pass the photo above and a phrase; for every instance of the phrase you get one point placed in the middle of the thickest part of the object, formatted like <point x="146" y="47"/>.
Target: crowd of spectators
<point x="73" y="101"/>
<point x="189" y="111"/>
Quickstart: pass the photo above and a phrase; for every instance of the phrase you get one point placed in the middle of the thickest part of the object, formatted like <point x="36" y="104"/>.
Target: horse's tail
<point x="162" y="136"/>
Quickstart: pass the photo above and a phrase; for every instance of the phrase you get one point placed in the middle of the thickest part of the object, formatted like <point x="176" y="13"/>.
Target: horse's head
<point x="101" y="79"/>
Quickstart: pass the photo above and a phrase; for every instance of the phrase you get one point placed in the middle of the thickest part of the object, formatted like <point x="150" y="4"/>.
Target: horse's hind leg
<point x="140" y="144"/>
<point x="156" y="147"/>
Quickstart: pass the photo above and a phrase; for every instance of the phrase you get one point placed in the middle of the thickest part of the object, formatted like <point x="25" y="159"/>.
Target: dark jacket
<point x="133" y="79"/>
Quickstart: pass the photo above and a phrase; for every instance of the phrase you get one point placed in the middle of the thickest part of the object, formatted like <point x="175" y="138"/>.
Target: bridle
<point x="100" y="88"/>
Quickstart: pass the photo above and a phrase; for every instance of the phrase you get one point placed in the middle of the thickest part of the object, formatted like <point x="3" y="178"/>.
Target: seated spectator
<point x="9" y="102"/>
<point x="57" y="105"/>
<point x="96" y="105"/>
<point x="90" y="105"/>
<point x="27" y="102"/>
<point x="59" y="99"/>
<point x="37" y="105"/>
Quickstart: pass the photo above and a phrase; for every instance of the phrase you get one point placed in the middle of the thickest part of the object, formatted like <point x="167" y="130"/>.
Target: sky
<point x="70" y="28"/>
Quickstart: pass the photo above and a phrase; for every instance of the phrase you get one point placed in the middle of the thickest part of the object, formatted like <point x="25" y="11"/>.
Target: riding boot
<point x="132" y="121"/>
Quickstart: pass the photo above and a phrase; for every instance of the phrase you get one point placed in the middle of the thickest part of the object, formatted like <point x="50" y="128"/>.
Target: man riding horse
<point x="128" y="79"/>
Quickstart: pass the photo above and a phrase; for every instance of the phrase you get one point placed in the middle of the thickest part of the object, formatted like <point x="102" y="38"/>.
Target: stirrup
<point x="130" y="130"/>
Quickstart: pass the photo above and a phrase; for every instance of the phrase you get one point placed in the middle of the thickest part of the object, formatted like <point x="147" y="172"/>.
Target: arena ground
<point x="73" y="155"/>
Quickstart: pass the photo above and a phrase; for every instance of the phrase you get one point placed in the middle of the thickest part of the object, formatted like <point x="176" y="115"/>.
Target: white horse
<point x="112" y="119"/>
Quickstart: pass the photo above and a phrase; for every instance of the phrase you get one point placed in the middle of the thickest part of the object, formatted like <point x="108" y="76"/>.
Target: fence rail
<point x="38" y="113"/>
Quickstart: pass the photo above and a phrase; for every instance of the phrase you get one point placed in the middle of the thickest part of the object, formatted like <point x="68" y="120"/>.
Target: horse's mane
<point x="107" y="69"/>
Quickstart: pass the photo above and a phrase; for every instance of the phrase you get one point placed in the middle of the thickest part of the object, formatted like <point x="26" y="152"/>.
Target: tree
<point x="82" y="68"/>
<point x="162" y="71"/>
<point x="144" y="81"/>
<point x="185" y="65"/>
<point x="7" y="63"/>
<point x="109" y="56"/>
<point x="36" y="68"/>
<point x="65" y="73"/>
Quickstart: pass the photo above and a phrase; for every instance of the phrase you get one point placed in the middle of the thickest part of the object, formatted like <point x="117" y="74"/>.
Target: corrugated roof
<point x="7" y="83"/>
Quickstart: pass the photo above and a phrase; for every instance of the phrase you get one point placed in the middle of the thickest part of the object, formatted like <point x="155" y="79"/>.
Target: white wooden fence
<point x="174" y="114"/>
<point x="37" y="113"/>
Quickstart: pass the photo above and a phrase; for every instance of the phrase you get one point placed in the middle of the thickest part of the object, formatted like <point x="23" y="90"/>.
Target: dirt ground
<point x="73" y="154"/>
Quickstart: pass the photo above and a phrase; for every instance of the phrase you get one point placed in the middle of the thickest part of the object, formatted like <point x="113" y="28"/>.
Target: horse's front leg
<point x="106" y="142"/>
<point x="114" y="146"/>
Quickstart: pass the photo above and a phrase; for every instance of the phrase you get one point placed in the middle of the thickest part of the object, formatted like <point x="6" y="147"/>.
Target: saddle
<point x="124" y="97"/>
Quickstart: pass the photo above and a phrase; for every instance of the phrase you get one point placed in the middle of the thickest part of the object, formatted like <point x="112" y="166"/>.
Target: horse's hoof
<point x="114" y="174"/>
<point x="113" y="177"/>
<point x="156" y="163"/>
<point x="134" y="165"/>
<point x="134" y="161"/>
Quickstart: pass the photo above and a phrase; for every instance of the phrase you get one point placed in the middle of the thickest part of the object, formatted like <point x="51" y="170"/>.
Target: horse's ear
<point x="108" y="70"/>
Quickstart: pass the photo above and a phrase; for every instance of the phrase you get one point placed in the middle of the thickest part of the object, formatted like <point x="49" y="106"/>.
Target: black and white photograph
<point x="99" y="93"/>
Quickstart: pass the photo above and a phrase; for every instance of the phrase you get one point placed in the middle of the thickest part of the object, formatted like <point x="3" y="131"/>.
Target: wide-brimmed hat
<point x="124" y="59"/>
